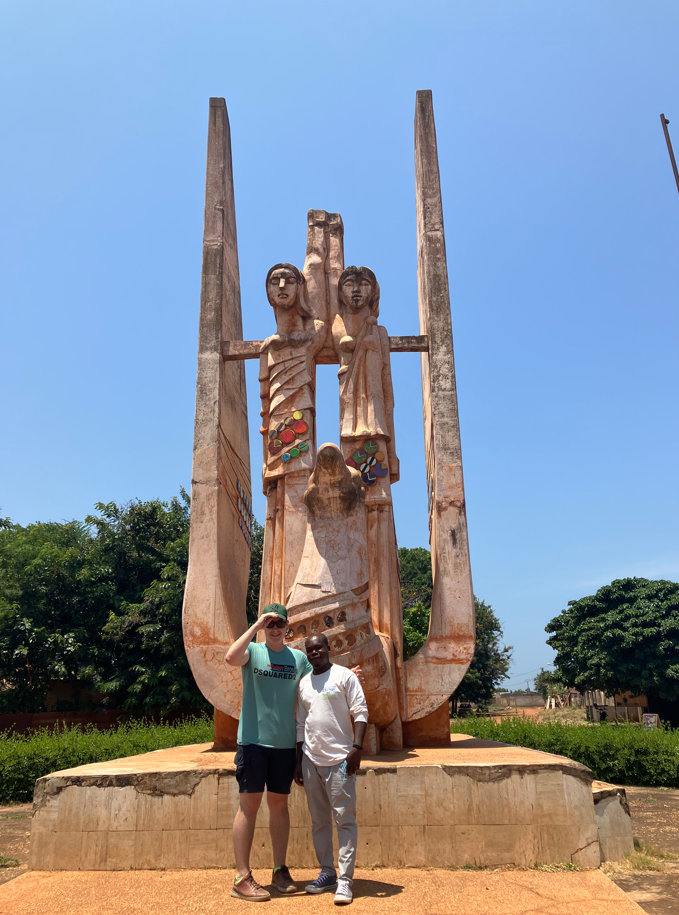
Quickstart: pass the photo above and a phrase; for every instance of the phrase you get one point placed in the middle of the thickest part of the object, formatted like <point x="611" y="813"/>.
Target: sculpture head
<point x="358" y="288"/>
<point x="334" y="490"/>
<point x="285" y="288"/>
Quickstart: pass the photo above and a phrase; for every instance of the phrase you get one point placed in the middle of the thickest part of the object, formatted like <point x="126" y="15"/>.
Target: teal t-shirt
<point x="270" y="678"/>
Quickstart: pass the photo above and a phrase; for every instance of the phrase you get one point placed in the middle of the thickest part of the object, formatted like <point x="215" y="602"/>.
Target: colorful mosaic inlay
<point x="371" y="463"/>
<point x="245" y="516"/>
<point x="286" y="433"/>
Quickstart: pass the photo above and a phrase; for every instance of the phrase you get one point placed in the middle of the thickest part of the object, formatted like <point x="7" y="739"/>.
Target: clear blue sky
<point x="562" y="224"/>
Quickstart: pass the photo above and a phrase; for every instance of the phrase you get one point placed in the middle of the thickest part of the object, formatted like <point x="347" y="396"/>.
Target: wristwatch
<point x="357" y="746"/>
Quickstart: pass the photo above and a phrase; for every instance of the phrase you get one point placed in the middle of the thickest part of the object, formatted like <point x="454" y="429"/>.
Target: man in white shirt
<point x="328" y="756"/>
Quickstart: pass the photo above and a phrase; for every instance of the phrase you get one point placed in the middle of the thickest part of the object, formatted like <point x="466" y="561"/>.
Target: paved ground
<point x="415" y="892"/>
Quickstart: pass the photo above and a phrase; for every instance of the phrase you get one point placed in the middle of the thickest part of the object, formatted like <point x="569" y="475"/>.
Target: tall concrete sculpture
<point x="330" y="552"/>
<point x="330" y="555"/>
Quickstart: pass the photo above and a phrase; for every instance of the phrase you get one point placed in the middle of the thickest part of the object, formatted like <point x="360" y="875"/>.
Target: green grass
<point x="625" y="754"/>
<point x="644" y="858"/>
<point x="24" y="759"/>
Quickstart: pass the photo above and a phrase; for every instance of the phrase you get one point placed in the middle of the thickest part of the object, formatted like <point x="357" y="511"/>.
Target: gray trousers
<point x="330" y="797"/>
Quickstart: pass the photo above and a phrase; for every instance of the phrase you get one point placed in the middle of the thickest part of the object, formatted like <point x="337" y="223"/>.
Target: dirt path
<point x="655" y="819"/>
<point x="15" y="827"/>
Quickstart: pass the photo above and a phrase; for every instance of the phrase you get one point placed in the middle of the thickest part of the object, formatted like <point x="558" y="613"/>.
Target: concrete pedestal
<point x="474" y="802"/>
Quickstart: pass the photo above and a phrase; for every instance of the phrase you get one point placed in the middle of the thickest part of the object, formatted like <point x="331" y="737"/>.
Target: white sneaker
<point x="343" y="895"/>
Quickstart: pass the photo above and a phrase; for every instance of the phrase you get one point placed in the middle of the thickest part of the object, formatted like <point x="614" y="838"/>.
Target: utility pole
<point x="665" y="122"/>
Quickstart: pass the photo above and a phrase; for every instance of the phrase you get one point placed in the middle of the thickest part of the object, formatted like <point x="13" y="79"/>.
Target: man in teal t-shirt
<point x="267" y="752"/>
<point x="267" y="749"/>
<point x="270" y="679"/>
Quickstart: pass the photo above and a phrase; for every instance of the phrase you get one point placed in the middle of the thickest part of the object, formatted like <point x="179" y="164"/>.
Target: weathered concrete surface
<point x="226" y="731"/>
<point x="436" y="670"/>
<point x="331" y="592"/>
<point x="431" y="731"/>
<point x="324" y="313"/>
<point x="251" y="349"/>
<point x="219" y="552"/>
<point x="613" y="821"/>
<point x="473" y="803"/>
<point x="367" y="421"/>
<point x="287" y="376"/>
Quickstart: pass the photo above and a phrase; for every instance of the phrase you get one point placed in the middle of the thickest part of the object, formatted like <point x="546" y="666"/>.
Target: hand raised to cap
<point x="264" y="619"/>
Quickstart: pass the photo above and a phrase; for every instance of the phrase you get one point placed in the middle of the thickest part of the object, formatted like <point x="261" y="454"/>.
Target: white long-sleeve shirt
<point x="326" y="703"/>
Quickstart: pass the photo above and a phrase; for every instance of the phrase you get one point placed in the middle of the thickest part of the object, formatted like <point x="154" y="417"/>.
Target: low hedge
<point x="23" y="759"/>
<point x="624" y="754"/>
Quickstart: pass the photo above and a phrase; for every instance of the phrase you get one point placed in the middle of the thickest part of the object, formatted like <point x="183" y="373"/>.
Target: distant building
<point x="521" y="699"/>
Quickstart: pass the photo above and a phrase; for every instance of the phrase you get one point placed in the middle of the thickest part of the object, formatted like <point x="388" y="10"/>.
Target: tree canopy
<point x="490" y="664"/>
<point x="491" y="660"/>
<point x="548" y="683"/>
<point x="624" y="637"/>
<point x="97" y="603"/>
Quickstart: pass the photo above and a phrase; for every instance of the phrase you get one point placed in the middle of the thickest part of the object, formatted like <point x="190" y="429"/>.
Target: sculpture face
<point x="356" y="292"/>
<point x="281" y="289"/>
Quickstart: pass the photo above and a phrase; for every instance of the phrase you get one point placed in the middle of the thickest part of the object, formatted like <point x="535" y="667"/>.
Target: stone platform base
<point x="475" y="802"/>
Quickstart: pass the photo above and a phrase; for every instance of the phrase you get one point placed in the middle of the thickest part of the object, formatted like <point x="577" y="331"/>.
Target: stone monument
<point x="330" y="556"/>
<point x="330" y="552"/>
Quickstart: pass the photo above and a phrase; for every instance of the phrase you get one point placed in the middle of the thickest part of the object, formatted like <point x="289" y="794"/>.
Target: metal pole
<point x="665" y="122"/>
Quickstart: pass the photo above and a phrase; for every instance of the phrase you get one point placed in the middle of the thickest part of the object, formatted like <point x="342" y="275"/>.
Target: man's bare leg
<point x="279" y="826"/>
<point x="244" y="831"/>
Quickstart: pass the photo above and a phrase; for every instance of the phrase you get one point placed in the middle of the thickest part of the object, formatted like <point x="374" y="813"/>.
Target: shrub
<point x="625" y="754"/>
<point x="23" y="759"/>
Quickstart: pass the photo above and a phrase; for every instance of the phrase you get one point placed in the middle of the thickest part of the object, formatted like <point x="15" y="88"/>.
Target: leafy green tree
<point x="47" y="612"/>
<point x="98" y="604"/>
<point x="549" y="683"/>
<point x="491" y="660"/>
<point x="624" y="637"/>
<point x="130" y="547"/>
<point x="417" y="582"/>
<point x="149" y="665"/>
<point x="252" y="608"/>
<point x="415" y="629"/>
<point x="142" y="548"/>
<point x="490" y="664"/>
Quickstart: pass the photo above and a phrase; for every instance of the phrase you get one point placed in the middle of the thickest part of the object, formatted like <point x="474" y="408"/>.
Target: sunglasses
<point x="277" y="624"/>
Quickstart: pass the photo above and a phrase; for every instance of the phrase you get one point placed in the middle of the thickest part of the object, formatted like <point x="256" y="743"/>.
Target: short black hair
<point x="319" y="635"/>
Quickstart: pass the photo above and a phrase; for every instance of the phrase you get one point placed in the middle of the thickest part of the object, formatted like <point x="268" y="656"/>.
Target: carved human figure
<point x="368" y="445"/>
<point x="366" y="391"/>
<point x="287" y="378"/>
<point x="331" y="592"/>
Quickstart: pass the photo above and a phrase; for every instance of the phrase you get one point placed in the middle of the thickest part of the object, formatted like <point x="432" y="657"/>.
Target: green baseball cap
<point x="278" y="609"/>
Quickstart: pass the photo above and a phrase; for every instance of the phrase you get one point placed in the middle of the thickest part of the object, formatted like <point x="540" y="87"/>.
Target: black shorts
<point x="259" y="766"/>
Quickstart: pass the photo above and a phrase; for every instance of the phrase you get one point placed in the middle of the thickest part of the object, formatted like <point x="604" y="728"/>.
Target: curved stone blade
<point x="219" y="553"/>
<point x="434" y="673"/>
